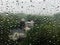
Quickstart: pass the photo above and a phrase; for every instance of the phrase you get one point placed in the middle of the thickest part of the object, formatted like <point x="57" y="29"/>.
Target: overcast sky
<point x="30" y="6"/>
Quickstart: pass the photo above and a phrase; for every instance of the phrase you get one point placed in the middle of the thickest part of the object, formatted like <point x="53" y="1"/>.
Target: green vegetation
<point x="46" y="30"/>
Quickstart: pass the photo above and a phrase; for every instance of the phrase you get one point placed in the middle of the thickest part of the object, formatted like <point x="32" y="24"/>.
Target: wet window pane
<point x="29" y="22"/>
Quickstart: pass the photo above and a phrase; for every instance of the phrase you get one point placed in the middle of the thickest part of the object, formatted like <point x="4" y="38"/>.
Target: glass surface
<point x="29" y="22"/>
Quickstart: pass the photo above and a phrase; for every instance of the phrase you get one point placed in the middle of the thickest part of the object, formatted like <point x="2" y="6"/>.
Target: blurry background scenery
<point x="29" y="22"/>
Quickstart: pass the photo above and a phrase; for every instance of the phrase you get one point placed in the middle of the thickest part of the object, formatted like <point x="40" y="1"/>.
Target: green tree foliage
<point x="43" y="33"/>
<point x="46" y="30"/>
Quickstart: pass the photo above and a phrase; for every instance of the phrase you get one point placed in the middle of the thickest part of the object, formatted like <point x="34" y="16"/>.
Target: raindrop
<point x="16" y="0"/>
<point x="2" y="4"/>
<point x="21" y="6"/>
<point x="43" y="8"/>
<point x="58" y="6"/>
<point x="30" y="0"/>
<point x="22" y="2"/>
<point x="50" y="41"/>
<point x="7" y="19"/>
<point x="13" y="2"/>
<point x="6" y="13"/>
<point x="58" y="40"/>
<point x="7" y="6"/>
<point x="44" y="0"/>
<point x="32" y="6"/>
<point x="53" y="36"/>
<point x="54" y="43"/>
